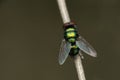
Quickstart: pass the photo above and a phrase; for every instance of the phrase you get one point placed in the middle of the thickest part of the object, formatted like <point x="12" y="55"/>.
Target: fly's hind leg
<point x="81" y="55"/>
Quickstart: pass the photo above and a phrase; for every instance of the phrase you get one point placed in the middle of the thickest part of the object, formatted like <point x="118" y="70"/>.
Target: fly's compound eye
<point x="69" y="24"/>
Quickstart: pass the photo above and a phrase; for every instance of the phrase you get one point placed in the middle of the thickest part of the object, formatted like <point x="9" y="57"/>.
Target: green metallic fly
<point x="73" y="44"/>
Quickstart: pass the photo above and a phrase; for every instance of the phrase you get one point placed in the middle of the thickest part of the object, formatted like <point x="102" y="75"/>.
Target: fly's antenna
<point x="66" y="19"/>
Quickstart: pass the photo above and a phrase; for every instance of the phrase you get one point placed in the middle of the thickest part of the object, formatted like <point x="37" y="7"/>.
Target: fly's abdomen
<point x="74" y="50"/>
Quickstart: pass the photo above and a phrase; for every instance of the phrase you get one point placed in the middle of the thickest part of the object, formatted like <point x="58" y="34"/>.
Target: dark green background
<point x="31" y="33"/>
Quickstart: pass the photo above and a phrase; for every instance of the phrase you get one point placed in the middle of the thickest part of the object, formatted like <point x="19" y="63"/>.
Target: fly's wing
<point x="64" y="51"/>
<point x="86" y="47"/>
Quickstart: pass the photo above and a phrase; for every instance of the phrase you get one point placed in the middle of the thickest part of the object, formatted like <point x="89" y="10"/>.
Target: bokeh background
<point x="31" y="32"/>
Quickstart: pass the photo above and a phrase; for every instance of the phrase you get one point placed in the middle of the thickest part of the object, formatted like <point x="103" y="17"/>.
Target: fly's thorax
<point x="70" y="32"/>
<point x="71" y="40"/>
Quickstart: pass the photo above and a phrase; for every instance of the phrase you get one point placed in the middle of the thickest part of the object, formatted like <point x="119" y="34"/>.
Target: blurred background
<point x="31" y="33"/>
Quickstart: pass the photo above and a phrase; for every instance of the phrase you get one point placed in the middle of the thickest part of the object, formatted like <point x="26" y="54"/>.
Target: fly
<point x="73" y="44"/>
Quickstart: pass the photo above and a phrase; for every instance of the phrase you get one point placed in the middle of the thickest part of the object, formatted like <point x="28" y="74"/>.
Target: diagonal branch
<point x="63" y="11"/>
<point x="79" y="67"/>
<point x="66" y="18"/>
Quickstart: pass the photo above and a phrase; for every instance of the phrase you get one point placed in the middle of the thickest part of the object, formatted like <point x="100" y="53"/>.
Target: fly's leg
<point x="81" y="55"/>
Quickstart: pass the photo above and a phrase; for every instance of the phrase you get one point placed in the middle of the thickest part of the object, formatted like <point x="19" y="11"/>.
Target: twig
<point x="77" y="59"/>
<point x="63" y="11"/>
<point x="79" y="67"/>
